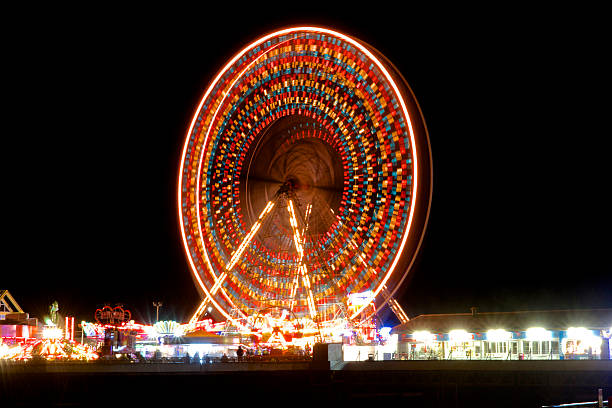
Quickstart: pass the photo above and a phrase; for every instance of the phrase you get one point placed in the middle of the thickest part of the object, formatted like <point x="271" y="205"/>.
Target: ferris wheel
<point x="305" y="179"/>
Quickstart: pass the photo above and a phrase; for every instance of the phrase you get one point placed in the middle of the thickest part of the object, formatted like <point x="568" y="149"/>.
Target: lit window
<point x="538" y="333"/>
<point x="459" y="336"/>
<point x="498" y="335"/>
<point x="423" y="336"/>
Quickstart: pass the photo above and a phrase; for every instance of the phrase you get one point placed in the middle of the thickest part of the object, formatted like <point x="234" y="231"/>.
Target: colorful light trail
<point x="319" y="123"/>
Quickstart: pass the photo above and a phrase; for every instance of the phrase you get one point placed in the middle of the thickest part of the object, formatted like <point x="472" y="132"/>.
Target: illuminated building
<point x="533" y="335"/>
<point x="199" y="343"/>
<point x="14" y="322"/>
<point x="115" y="338"/>
<point x="21" y="340"/>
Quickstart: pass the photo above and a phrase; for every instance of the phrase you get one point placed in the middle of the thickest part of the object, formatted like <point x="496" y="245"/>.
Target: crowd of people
<point x="247" y="354"/>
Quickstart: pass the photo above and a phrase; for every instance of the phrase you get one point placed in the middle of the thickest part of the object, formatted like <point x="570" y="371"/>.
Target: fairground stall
<point x="529" y="335"/>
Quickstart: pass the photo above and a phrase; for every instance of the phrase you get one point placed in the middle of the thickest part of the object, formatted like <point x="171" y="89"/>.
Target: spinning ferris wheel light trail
<point x="249" y="237"/>
<point x="234" y="259"/>
<point x="302" y="267"/>
<point x="305" y="179"/>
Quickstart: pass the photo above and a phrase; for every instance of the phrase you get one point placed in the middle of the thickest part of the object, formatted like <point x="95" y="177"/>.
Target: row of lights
<point x="533" y="333"/>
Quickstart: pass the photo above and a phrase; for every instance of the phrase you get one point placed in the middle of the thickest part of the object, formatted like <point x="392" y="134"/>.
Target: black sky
<point x="98" y="104"/>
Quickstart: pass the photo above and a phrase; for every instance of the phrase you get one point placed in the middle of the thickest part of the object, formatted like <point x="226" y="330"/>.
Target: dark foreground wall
<point x="410" y="383"/>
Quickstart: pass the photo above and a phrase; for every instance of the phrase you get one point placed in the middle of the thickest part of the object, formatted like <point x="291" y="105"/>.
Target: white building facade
<point x="531" y="335"/>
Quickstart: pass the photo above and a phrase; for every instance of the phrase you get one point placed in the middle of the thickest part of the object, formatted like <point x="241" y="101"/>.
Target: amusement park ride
<point x="304" y="188"/>
<point x="304" y="191"/>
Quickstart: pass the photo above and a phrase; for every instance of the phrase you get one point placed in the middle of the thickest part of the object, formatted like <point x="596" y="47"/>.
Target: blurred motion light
<point x="52" y="333"/>
<point x="351" y="106"/>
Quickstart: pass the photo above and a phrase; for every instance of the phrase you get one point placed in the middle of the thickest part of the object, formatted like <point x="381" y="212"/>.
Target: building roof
<point x="201" y="333"/>
<point x="203" y="337"/>
<point x="518" y="321"/>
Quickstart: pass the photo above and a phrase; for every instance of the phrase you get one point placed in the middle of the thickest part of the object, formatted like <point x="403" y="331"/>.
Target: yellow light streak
<point x="198" y="311"/>
<point x="243" y="245"/>
<point x="218" y="283"/>
<point x="293" y="291"/>
<point x="311" y="305"/>
<point x="306" y="217"/>
<point x="306" y="280"/>
<point x="302" y="268"/>
<point x="296" y="232"/>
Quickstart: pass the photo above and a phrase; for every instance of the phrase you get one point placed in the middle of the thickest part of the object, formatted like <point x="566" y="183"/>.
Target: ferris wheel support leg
<point x="250" y="236"/>
<point x="243" y="245"/>
<point x="396" y="308"/>
<point x="393" y="304"/>
<point x="294" y="286"/>
<point x="198" y="311"/>
<point x="311" y="304"/>
<point x="300" y="249"/>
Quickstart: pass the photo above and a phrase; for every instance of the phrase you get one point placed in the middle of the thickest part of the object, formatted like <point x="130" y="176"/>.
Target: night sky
<point x="97" y="107"/>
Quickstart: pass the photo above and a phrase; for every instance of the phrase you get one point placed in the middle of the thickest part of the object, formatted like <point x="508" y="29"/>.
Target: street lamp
<point x="157" y="305"/>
